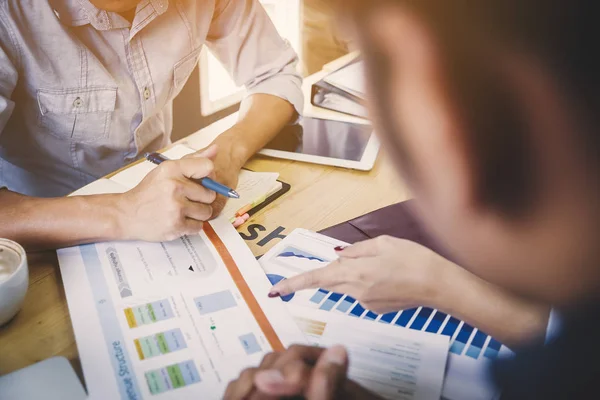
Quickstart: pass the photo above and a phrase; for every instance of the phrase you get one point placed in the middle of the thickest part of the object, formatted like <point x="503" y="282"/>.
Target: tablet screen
<point x="325" y="138"/>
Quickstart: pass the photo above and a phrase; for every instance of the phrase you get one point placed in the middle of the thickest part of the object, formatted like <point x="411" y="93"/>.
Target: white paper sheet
<point x="471" y="351"/>
<point x="394" y="364"/>
<point x="133" y="175"/>
<point x="167" y="320"/>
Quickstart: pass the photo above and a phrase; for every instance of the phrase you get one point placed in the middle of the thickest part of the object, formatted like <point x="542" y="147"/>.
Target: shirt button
<point x="146" y="93"/>
<point x="78" y="102"/>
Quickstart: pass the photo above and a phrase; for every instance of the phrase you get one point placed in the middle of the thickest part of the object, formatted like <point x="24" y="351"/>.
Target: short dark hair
<point x="563" y="34"/>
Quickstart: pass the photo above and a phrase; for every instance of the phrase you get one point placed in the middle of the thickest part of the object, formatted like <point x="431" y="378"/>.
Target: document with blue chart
<point x="171" y="320"/>
<point x="470" y="350"/>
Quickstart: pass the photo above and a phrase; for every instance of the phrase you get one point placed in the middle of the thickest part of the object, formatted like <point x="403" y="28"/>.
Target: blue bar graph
<point x="371" y="316"/>
<point x="476" y="345"/>
<point x="461" y="339"/>
<point x="450" y="327"/>
<point x="492" y="349"/>
<point x="436" y="322"/>
<point x="319" y="296"/>
<point x="421" y="319"/>
<point x="345" y="304"/>
<point x="331" y="301"/>
<point x="405" y="317"/>
<point x="357" y="311"/>
<point x="388" y="318"/>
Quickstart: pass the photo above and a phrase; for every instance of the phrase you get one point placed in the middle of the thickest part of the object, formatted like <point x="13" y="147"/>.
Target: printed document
<point x="469" y="350"/>
<point x="171" y="320"/>
<point x="395" y="364"/>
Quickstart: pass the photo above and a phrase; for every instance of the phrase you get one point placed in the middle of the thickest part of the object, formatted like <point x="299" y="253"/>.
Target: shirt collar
<point x="82" y="12"/>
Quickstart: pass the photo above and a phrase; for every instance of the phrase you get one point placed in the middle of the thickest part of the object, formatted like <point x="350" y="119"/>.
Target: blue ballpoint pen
<point x="157" y="158"/>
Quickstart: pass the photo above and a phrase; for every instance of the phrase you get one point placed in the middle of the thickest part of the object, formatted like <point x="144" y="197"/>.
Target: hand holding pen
<point x="169" y="202"/>
<point x="157" y="158"/>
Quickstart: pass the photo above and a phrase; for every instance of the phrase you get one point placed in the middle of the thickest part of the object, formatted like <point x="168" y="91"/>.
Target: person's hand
<point x="167" y="204"/>
<point x="384" y="274"/>
<point x="226" y="170"/>
<point x="312" y="373"/>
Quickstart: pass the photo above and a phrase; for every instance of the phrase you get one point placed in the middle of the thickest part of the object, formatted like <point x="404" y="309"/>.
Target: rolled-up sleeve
<point x="8" y="72"/>
<point x="246" y="42"/>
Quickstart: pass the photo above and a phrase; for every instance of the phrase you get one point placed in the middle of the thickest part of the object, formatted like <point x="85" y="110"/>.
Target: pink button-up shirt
<point x="84" y="92"/>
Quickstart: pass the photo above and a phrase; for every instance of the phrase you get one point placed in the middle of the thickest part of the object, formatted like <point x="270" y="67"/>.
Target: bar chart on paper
<point x="464" y="339"/>
<point x="470" y="349"/>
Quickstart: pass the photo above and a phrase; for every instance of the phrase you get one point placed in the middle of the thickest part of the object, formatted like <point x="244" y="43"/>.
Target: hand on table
<point x="312" y="373"/>
<point x="384" y="274"/>
<point x="167" y="204"/>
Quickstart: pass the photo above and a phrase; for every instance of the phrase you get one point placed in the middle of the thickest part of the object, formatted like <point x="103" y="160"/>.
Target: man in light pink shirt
<point x="87" y="86"/>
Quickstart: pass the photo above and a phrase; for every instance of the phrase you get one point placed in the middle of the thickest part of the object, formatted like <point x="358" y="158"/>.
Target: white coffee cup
<point x="14" y="279"/>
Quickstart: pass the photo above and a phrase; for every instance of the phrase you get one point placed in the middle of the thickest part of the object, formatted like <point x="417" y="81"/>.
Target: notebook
<point x="256" y="189"/>
<point x="342" y="90"/>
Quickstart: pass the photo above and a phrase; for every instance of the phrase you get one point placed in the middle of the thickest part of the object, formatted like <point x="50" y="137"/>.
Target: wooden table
<point x="321" y="196"/>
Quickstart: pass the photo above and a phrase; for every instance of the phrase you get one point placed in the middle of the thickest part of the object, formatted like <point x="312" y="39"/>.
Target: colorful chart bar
<point x="318" y="297"/>
<point x="405" y="317"/>
<point x="388" y="318"/>
<point x="331" y="301"/>
<point x="450" y="327"/>
<point x="476" y="345"/>
<point x="421" y="319"/>
<point x="436" y="322"/>
<point x="371" y="316"/>
<point x="310" y="326"/>
<point x="148" y="313"/>
<point x="172" y="377"/>
<point x="357" y="311"/>
<point x="345" y="304"/>
<point x="161" y="343"/>
<point x="492" y="349"/>
<point x="461" y="340"/>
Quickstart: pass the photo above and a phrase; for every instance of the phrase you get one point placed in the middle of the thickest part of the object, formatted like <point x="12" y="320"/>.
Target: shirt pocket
<point x="78" y="114"/>
<point x="183" y="69"/>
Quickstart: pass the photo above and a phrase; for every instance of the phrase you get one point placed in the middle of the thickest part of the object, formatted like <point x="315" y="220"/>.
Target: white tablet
<point x="322" y="141"/>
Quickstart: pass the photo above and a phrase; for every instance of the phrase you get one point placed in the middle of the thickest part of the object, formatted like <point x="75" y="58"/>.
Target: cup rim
<point x="17" y="248"/>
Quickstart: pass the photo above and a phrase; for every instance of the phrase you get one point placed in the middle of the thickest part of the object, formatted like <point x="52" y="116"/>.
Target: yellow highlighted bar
<point x="130" y="318"/>
<point x="138" y="347"/>
<point x="311" y="326"/>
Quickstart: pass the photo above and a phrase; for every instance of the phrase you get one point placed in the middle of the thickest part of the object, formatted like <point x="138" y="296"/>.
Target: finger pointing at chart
<point x="383" y="274"/>
<point x="326" y="277"/>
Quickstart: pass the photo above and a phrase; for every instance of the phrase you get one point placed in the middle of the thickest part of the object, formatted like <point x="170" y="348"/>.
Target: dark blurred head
<point x="490" y="109"/>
